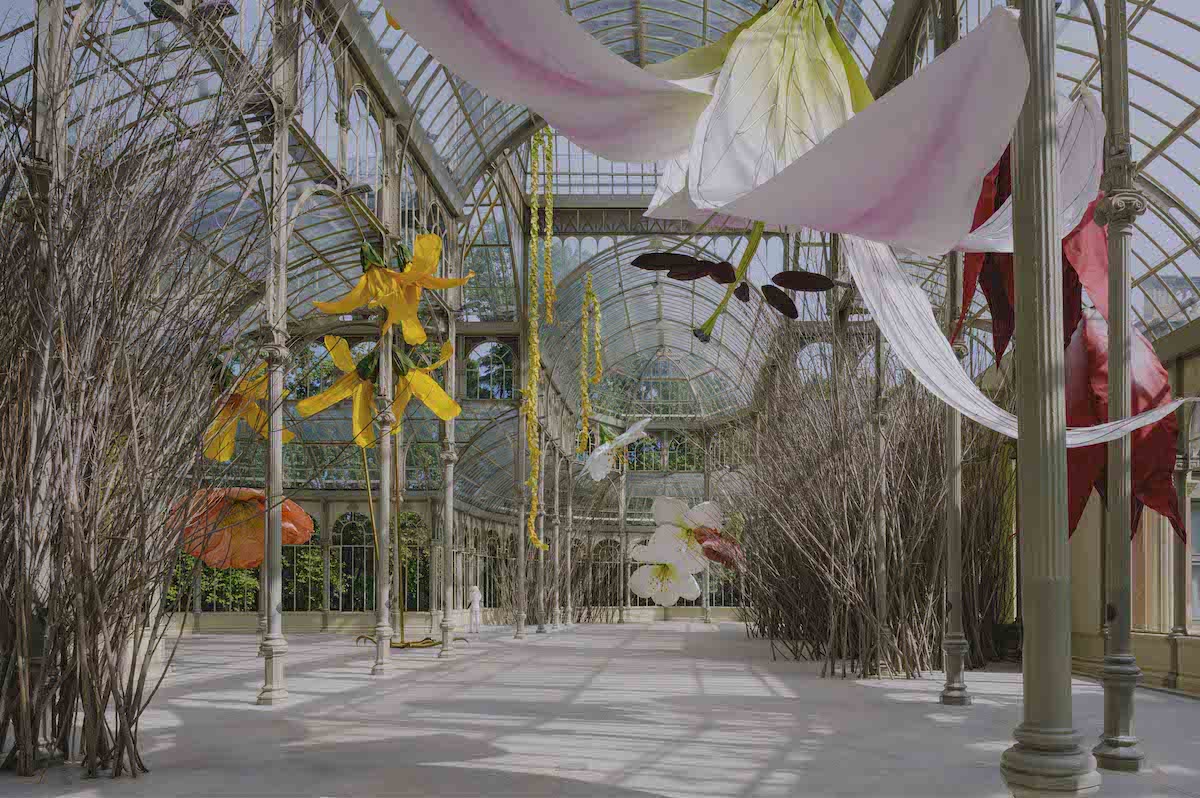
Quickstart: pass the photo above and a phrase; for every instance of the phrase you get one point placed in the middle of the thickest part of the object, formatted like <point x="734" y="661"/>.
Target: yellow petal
<point x="446" y="353"/>
<point x="391" y="21"/>
<point x="406" y="310"/>
<point x="357" y="297"/>
<point x="330" y="396"/>
<point x="362" y="415"/>
<point x="259" y="421"/>
<point x="430" y="281"/>
<point x="221" y="435"/>
<point x="427" y="250"/>
<point x="339" y="350"/>
<point x="253" y="384"/>
<point x="400" y="404"/>
<point x="431" y="394"/>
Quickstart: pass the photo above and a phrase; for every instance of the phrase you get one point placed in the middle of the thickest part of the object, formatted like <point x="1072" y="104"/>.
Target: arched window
<point x="684" y="454"/>
<point x="352" y="564"/>
<point x="490" y="371"/>
<point x="364" y="150"/>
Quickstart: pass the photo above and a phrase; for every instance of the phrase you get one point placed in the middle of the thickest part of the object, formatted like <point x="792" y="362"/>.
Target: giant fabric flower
<point x="674" y="540"/>
<point x="224" y="526"/>
<point x="357" y="383"/>
<point x="398" y="292"/>
<point x="784" y="83"/>
<point x="1152" y="455"/>
<point x="241" y="403"/>
<point x="1084" y="266"/>
<point x="719" y="548"/>
<point x="665" y="583"/>
<point x="600" y="461"/>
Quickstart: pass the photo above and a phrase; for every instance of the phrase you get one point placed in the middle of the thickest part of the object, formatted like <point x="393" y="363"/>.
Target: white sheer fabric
<point x="905" y="317"/>
<point x="1080" y="167"/>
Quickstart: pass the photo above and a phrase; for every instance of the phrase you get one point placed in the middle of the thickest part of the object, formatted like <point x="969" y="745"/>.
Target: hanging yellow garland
<point x="530" y="404"/>
<point x="585" y="399"/>
<point x="548" y="261"/>
<point x="599" y="372"/>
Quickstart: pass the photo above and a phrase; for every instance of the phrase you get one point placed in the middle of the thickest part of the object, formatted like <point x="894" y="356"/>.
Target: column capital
<point x="275" y="353"/>
<point x="1120" y="206"/>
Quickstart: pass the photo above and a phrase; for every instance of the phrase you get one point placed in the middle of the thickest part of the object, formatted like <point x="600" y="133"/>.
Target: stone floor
<point x="669" y="709"/>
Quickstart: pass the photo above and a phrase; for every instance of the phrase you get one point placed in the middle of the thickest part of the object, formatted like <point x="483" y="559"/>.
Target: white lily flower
<point x="783" y="83"/>
<point x="665" y="583"/>
<point x="600" y="461"/>
<point x="675" y="540"/>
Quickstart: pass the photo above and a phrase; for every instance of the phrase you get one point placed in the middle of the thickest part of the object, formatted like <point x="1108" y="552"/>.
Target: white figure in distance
<point x="476" y="610"/>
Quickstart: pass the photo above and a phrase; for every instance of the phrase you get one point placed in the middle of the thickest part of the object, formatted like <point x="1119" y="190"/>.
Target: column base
<point x="954" y="653"/>
<point x="956" y="697"/>
<point x="621" y="615"/>
<point x="274" y="654"/>
<point x="262" y="633"/>
<point x="383" y="649"/>
<point x="556" y="621"/>
<point x="570" y="619"/>
<point x="541" y="628"/>
<point x="1045" y="764"/>
<point x="519" y="632"/>
<point x="707" y="617"/>
<point x="1171" y="681"/>
<point x="447" y="651"/>
<point x="1118" y="748"/>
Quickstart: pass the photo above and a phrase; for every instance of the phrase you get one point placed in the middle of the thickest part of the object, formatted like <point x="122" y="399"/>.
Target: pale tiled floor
<point x="669" y="709"/>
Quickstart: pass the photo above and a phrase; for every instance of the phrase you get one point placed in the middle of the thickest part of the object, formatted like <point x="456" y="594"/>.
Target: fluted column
<point x="570" y="621"/>
<point x="519" y="463"/>
<point x="327" y="516"/>
<point x="954" y="642"/>
<point x="541" y="530"/>
<point x="383" y="513"/>
<point x="1047" y="758"/>
<point x="624" y="597"/>
<point x="283" y="83"/>
<point x="556" y="528"/>
<point x="1122" y="204"/>
<point x="706" y="595"/>
<point x="449" y="458"/>
<point x="1180" y="559"/>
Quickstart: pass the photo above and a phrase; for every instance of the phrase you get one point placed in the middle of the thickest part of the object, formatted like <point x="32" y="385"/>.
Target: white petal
<point x="688" y="587"/>
<point x="667" y="597"/>
<point x="707" y="514"/>
<point x="641" y="583"/>
<point x="668" y="510"/>
<point x="640" y="552"/>
<point x="783" y="88"/>
<point x="599" y="463"/>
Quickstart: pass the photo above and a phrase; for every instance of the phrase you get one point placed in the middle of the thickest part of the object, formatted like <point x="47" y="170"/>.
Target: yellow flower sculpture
<point x="398" y="292"/>
<point x="357" y="383"/>
<point x="241" y="403"/>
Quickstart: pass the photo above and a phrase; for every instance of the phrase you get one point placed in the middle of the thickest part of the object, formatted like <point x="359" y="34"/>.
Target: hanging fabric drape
<point x="530" y="53"/>
<point x="905" y="317"/>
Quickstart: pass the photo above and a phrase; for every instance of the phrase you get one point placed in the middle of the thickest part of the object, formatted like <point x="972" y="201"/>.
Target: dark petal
<point x="664" y="261"/>
<point x="688" y="274"/>
<point x="777" y="299"/>
<point x="742" y="292"/>
<point x="723" y="272"/>
<point x="802" y="281"/>
<point x="702" y="335"/>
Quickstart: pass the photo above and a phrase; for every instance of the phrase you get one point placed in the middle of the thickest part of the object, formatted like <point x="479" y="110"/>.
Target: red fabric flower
<point x="719" y="548"/>
<point x="225" y="526"/>
<point x="1153" y="446"/>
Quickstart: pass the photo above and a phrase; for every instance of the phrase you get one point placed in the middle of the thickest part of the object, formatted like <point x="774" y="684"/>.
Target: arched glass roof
<point x="648" y="319"/>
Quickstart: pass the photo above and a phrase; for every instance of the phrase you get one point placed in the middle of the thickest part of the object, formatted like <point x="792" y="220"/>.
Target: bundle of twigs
<point x="113" y="318"/>
<point x="811" y="542"/>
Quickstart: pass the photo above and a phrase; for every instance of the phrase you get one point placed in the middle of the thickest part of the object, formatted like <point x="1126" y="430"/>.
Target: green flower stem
<point x="704" y="332"/>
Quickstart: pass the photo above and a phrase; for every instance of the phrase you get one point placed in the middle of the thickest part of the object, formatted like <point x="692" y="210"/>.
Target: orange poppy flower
<point x="225" y="526"/>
